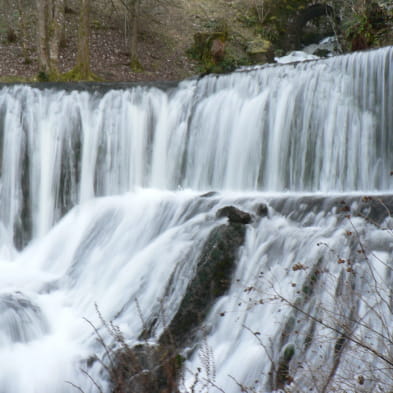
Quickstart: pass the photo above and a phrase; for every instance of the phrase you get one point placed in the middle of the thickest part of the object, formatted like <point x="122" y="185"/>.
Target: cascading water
<point x="101" y="192"/>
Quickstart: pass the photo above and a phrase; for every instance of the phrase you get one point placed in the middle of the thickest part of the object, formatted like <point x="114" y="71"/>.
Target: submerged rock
<point x="261" y="210"/>
<point x="209" y="194"/>
<point x="21" y="320"/>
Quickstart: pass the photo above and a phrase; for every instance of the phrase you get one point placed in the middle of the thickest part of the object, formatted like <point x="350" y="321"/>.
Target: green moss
<point x="310" y="282"/>
<point x="289" y="351"/>
<point x="43" y="77"/>
<point x="16" y="79"/>
<point x="99" y="25"/>
<point x="76" y="75"/>
<point x="339" y="345"/>
<point x="136" y="66"/>
<point x="202" y="51"/>
<point x="283" y="377"/>
<point x="179" y="361"/>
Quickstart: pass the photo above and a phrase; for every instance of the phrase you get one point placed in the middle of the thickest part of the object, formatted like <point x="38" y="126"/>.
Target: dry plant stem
<point x="108" y="352"/>
<point x="140" y="314"/>
<point x="363" y="252"/>
<point x="215" y="386"/>
<point x="260" y="343"/>
<point x="262" y="10"/>
<point x="342" y="334"/>
<point x="242" y="387"/>
<point x="359" y="323"/>
<point x="92" y="380"/>
<point x="75" y="386"/>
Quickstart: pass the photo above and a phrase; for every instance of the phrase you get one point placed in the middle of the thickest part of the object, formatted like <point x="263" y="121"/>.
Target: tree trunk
<point x="83" y="58"/>
<point x="133" y="12"/>
<point x="42" y="36"/>
<point x="23" y="22"/>
<point x="50" y="20"/>
<point x="55" y="28"/>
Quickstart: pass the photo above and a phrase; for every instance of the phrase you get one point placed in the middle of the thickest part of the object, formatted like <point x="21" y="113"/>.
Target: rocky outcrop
<point x="211" y="280"/>
<point x="154" y="368"/>
<point x="297" y="35"/>
<point x="234" y="215"/>
<point x="261" y="210"/>
<point x="209" y="48"/>
<point x="260" y="51"/>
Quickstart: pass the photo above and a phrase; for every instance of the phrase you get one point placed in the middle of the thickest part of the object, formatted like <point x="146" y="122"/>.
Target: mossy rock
<point x="136" y="66"/>
<point x="234" y="215"/>
<point x="283" y="377"/>
<point x="209" y="49"/>
<point x="260" y="50"/>
<point x="289" y="351"/>
<point x="16" y="79"/>
<point x="76" y="75"/>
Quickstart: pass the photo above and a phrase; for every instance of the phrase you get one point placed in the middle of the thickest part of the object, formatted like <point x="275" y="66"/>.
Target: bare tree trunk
<point x="23" y="18"/>
<point x="134" y="14"/>
<point x="83" y="58"/>
<point x="55" y="29"/>
<point x="42" y="35"/>
<point x="50" y="20"/>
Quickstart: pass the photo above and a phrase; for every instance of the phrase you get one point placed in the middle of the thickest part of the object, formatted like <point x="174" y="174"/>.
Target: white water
<point x="318" y="127"/>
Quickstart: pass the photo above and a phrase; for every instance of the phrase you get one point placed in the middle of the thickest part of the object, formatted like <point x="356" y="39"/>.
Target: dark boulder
<point x="212" y="279"/>
<point x="261" y="210"/>
<point x="234" y="215"/>
<point x="209" y="194"/>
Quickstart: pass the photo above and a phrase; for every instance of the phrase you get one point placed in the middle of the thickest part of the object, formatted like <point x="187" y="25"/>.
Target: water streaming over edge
<point x="316" y="127"/>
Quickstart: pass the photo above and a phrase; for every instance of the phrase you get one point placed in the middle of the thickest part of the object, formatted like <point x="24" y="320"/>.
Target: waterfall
<point x="106" y="206"/>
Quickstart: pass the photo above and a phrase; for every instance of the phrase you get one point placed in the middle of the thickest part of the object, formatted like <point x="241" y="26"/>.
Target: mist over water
<point x="102" y="206"/>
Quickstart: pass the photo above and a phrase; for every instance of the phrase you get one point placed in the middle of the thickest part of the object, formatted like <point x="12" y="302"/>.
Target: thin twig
<point x="75" y="386"/>
<point x="349" y="337"/>
<point x="92" y="380"/>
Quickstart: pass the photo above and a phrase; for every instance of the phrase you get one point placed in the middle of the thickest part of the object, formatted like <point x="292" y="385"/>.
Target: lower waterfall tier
<point x="305" y="302"/>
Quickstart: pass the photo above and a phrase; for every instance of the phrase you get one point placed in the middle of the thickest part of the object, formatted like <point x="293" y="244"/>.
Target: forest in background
<point x="142" y="40"/>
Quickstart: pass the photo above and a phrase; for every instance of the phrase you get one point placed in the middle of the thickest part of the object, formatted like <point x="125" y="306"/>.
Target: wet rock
<point x="209" y="194"/>
<point x="234" y="215"/>
<point x="261" y="210"/>
<point x="212" y="279"/>
<point x="283" y="377"/>
<point x="21" y="320"/>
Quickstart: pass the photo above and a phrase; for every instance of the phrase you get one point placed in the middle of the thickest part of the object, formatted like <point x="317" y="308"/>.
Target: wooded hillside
<point x="133" y="40"/>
